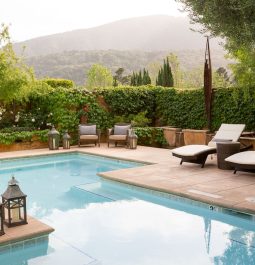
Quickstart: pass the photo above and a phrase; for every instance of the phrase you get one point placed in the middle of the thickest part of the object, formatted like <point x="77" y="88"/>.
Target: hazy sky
<point x="33" y="18"/>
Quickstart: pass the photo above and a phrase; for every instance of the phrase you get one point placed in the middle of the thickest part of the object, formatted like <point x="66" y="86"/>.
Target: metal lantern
<point x="1" y="219"/>
<point x="132" y="140"/>
<point x="66" y="140"/>
<point x="14" y="204"/>
<point x="53" y="139"/>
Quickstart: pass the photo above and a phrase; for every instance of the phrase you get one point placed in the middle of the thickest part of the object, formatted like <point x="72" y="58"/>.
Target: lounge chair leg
<point x="115" y="144"/>
<point x="235" y="171"/>
<point x="181" y="162"/>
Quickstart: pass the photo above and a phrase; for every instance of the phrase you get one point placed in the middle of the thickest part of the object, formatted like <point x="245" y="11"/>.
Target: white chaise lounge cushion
<point x="243" y="158"/>
<point x="192" y="150"/>
<point x="227" y="132"/>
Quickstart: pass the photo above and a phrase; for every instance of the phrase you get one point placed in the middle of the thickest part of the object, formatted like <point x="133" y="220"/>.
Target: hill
<point x="149" y="33"/>
<point x="75" y="64"/>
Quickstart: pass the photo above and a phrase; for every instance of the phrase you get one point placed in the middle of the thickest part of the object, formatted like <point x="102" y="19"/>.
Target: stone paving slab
<point x="164" y="173"/>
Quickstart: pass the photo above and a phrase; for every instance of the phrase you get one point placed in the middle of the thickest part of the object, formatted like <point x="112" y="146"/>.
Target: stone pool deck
<point x="33" y="229"/>
<point x="163" y="173"/>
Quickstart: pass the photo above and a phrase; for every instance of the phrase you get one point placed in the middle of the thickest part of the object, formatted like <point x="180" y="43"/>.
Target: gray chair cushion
<point x="88" y="129"/>
<point x="121" y="129"/>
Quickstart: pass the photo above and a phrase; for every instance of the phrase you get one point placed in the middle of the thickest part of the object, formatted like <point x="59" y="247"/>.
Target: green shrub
<point x="151" y="136"/>
<point x="19" y="136"/>
<point x="56" y="82"/>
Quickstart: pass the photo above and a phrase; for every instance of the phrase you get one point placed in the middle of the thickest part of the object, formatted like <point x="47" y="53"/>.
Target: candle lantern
<point x="1" y="219"/>
<point x="14" y="204"/>
<point x="66" y="140"/>
<point x="53" y="139"/>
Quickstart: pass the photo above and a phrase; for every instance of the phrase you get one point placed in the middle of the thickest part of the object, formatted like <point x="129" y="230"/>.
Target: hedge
<point x="65" y="107"/>
<point x="57" y="82"/>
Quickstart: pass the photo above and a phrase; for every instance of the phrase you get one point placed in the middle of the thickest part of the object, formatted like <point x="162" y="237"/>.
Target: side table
<point x="224" y="150"/>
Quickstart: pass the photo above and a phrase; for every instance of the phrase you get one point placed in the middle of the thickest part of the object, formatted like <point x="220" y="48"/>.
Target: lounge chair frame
<point x="196" y="159"/>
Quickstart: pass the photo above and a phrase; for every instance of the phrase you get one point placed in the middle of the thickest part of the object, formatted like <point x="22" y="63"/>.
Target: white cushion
<point x="230" y="132"/>
<point x="244" y="158"/>
<point x="192" y="150"/>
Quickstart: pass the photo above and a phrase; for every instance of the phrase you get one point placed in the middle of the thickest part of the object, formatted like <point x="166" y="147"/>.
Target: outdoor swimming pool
<point x="102" y="222"/>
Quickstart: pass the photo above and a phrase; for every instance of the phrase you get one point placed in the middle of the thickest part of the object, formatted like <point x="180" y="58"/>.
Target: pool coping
<point x="33" y="229"/>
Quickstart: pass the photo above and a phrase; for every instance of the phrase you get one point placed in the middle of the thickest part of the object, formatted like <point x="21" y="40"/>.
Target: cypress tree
<point x="148" y="78"/>
<point x="139" y="79"/>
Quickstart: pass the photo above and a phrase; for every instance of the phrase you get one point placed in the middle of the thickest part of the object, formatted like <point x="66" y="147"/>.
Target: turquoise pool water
<point x="101" y="222"/>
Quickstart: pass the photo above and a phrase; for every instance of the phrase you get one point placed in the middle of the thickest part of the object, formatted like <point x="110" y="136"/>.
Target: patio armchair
<point x="119" y="134"/>
<point x="88" y="133"/>
<point x="198" y="153"/>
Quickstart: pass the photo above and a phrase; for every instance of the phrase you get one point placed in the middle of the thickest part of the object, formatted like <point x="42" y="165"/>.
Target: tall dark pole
<point x="208" y="84"/>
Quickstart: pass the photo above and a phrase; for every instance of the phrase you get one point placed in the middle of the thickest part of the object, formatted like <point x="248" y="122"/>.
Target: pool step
<point x="104" y="190"/>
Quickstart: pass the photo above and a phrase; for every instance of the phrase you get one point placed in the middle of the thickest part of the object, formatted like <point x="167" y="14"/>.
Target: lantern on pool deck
<point x="53" y="139"/>
<point x="1" y="219"/>
<point x="66" y="140"/>
<point x="14" y="204"/>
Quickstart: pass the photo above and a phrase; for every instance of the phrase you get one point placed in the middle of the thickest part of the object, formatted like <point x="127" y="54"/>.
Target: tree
<point x="234" y="21"/>
<point x="230" y="19"/>
<point x="178" y="74"/>
<point x="99" y="76"/>
<point x="165" y="77"/>
<point x="16" y="79"/>
<point x="120" y="79"/>
<point x="141" y="78"/>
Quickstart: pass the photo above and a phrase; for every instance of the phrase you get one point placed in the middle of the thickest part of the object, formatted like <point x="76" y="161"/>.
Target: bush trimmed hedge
<point x="66" y="107"/>
<point x="57" y="82"/>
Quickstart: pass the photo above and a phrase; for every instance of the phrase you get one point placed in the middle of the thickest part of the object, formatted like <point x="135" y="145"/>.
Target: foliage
<point x="19" y="136"/>
<point x="165" y="77"/>
<point x="244" y="69"/>
<point x="120" y="79"/>
<point x="57" y="82"/>
<point x="130" y="100"/>
<point x="181" y="108"/>
<point x="151" y="136"/>
<point x="64" y="108"/>
<point x="143" y="106"/>
<point x="73" y="64"/>
<point x="137" y="120"/>
<point x="141" y="78"/>
<point x="15" y="76"/>
<point x="230" y="19"/>
<point x="99" y="76"/>
<point x="185" y="108"/>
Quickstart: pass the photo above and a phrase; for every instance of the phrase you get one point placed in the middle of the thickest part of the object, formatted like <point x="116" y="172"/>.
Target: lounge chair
<point x="88" y="133"/>
<point x="198" y="153"/>
<point x="243" y="161"/>
<point x="119" y="133"/>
